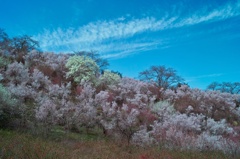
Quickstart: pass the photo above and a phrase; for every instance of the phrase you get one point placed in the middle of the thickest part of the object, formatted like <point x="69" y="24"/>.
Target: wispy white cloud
<point x="210" y="76"/>
<point x="105" y="36"/>
<point x="207" y="76"/>
<point x="95" y="32"/>
<point x="129" y="49"/>
<point x="224" y="12"/>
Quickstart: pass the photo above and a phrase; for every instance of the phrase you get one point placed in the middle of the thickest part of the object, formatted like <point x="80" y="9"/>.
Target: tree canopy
<point x="82" y="68"/>
<point x="228" y="87"/>
<point x="95" y="56"/>
<point x="162" y="76"/>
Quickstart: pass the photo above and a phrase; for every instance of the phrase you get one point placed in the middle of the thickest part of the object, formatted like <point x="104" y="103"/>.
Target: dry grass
<point x="23" y="146"/>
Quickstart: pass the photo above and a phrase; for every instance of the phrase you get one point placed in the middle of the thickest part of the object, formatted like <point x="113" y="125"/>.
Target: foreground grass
<point x="74" y="146"/>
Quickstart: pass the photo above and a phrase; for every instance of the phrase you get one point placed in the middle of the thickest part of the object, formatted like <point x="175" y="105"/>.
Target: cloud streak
<point x="206" y="76"/>
<point x="129" y="49"/>
<point x="106" y="36"/>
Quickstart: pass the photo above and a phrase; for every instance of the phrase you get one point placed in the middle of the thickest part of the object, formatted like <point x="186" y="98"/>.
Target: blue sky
<point x="200" y="39"/>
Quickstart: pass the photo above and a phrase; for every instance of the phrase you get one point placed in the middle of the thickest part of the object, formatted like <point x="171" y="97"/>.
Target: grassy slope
<point x="72" y="145"/>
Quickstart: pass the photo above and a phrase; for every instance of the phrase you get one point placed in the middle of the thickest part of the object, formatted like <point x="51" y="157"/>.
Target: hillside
<point x="42" y="93"/>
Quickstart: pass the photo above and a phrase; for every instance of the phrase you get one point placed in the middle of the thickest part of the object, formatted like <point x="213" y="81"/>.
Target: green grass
<point x="16" y="145"/>
<point x="62" y="145"/>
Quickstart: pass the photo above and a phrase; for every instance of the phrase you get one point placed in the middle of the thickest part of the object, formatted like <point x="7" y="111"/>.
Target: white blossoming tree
<point x="82" y="69"/>
<point x="110" y="78"/>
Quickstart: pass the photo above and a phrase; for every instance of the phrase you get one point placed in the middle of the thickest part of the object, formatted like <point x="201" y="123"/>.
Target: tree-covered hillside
<point x="40" y="91"/>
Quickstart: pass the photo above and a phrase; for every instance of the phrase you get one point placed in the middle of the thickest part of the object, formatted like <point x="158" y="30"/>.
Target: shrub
<point x="4" y="62"/>
<point x="7" y="107"/>
<point x="110" y="78"/>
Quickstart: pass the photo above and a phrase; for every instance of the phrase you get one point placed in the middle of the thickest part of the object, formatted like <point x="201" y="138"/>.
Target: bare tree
<point x="162" y="76"/>
<point x="228" y="87"/>
<point x="4" y="40"/>
<point x="22" y="45"/>
<point x="16" y="47"/>
<point x="213" y="86"/>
